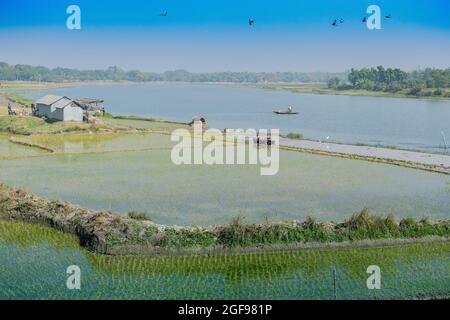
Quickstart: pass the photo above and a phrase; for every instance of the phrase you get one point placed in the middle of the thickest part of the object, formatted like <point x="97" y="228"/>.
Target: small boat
<point x="288" y="111"/>
<point x="285" y="112"/>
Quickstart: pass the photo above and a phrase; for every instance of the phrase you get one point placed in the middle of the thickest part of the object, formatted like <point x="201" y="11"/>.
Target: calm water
<point x="33" y="265"/>
<point x="11" y="150"/>
<point x="324" y="187"/>
<point x="406" y="123"/>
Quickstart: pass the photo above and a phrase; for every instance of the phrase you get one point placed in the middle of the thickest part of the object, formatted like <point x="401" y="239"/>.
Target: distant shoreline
<point x="302" y="88"/>
<point x="322" y="89"/>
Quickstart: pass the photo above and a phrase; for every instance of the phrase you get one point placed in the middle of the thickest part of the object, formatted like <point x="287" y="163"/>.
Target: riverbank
<point x="109" y="233"/>
<point x="324" y="90"/>
<point x="15" y="89"/>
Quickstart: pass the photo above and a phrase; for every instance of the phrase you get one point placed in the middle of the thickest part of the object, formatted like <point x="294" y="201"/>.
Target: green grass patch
<point x="26" y="234"/>
<point x="21" y="125"/>
<point x="294" y="135"/>
<point x="34" y="125"/>
<point x="17" y="98"/>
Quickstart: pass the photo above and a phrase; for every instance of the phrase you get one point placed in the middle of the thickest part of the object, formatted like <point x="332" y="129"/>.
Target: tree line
<point x="22" y="72"/>
<point x="425" y="82"/>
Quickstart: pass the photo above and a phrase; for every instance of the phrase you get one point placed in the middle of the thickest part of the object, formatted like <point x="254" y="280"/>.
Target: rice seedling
<point x="146" y="181"/>
<point x="416" y="270"/>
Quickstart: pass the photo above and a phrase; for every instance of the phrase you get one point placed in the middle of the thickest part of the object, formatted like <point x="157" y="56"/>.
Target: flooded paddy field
<point x="34" y="259"/>
<point x="124" y="173"/>
<point x="107" y="142"/>
<point x="12" y="150"/>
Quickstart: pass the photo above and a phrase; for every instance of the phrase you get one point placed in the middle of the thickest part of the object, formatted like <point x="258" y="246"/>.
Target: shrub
<point x="415" y="91"/>
<point x="294" y="135"/>
<point x="136" y="215"/>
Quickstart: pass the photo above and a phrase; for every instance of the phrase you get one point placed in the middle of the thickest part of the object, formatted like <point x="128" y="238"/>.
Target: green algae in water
<point x="33" y="262"/>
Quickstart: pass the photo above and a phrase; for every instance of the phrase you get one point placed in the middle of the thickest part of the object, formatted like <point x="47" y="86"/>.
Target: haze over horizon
<point x="214" y="36"/>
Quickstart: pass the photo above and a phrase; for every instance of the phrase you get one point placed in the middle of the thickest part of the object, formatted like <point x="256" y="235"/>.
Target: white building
<point x="58" y="108"/>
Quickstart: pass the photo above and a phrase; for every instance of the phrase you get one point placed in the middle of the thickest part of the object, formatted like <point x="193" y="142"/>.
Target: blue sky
<point x="201" y="35"/>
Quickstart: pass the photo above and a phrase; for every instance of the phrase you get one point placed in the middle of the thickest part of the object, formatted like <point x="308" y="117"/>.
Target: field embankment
<point x="109" y="124"/>
<point x="433" y="162"/>
<point x="33" y="125"/>
<point x="109" y="233"/>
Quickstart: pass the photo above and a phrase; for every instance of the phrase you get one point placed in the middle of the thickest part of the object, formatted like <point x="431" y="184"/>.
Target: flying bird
<point x="334" y="24"/>
<point x="364" y="19"/>
<point x="251" y="21"/>
<point x="163" y="14"/>
<point x="388" y="16"/>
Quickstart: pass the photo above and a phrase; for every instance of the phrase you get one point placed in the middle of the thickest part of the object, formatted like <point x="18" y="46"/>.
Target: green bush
<point x="294" y="135"/>
<point x="136" y="215"/>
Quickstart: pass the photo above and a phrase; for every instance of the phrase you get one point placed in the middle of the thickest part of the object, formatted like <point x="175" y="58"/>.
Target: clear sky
<point x="212" y="35"/>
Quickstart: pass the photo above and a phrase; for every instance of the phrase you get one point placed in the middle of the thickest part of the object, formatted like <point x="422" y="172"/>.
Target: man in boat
<point x="290" y="109"/>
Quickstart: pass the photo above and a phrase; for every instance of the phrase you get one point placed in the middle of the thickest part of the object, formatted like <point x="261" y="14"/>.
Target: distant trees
<point x="39" y="73"/>
<point x="378" y="79"/>
<point x="419" y="82"/>
<point x="334" y="82"/>
<point x="395" y="80"/>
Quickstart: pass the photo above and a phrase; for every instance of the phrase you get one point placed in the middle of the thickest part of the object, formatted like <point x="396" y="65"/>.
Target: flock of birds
<point x="251" y="21"/>
<point x="335" y="22"/>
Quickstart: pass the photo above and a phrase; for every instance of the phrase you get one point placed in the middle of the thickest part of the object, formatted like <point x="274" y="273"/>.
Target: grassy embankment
<point x="390" y="161"/>
<point x="36" y="126"/>
<point x="33" y="125"/>
<point x="323" y="89"/>
<point x="106" y="232"/>
<point x="17" y="98"/>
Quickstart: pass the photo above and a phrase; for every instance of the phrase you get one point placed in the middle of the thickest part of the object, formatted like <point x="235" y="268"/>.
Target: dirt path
<point x="440" y="162"/>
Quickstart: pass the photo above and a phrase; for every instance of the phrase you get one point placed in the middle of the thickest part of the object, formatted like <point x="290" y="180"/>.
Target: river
<point x="406" y="123"/>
